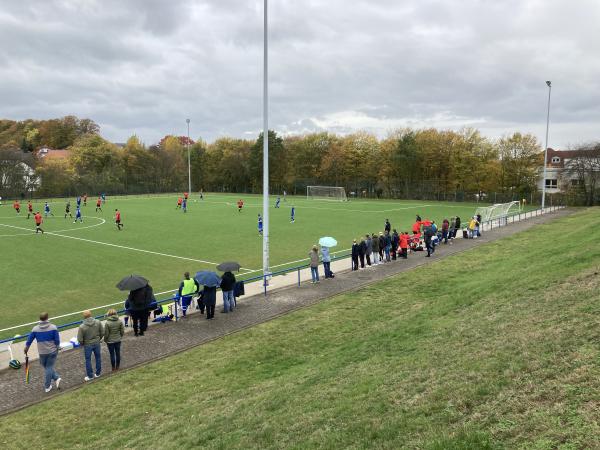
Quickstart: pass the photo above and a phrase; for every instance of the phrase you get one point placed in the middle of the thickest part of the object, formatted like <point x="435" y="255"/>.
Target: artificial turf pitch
<point x="75" y="266"/>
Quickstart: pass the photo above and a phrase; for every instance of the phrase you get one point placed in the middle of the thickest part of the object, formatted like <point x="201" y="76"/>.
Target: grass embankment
<point x="493" y="348"/>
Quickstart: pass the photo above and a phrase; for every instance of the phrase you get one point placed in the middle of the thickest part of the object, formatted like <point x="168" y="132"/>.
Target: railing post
<point x="175" y="307"/>
<point x="298" y="276"/>
<point x="265" y="283"/>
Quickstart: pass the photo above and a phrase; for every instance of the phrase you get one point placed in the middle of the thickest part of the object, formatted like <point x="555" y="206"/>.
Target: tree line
<point x="408" y="163"/>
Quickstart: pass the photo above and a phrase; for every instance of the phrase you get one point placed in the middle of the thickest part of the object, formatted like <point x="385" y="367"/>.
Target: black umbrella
<point x="229" y="266"/>
<point x="132" y="282"/>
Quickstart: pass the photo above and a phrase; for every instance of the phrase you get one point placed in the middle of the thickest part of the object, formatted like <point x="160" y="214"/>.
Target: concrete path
<point x="163" y="340"/>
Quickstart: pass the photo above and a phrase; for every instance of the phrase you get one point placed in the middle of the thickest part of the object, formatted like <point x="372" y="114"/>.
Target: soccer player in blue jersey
<point x="277" y="202"/>
<point x="293" y="215"/>
<point x="78" y="215"/>
<point x="260" y="225"/>
<point x="184" y="205"/>
<point x="78" y="201"/>
<point x="47" y="210"/>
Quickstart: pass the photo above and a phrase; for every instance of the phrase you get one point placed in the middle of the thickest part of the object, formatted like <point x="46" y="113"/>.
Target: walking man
<point x="89" y="335"/>
<point x="48" y="342"/>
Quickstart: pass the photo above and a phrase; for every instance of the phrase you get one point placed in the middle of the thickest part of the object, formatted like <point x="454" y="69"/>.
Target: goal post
<point x="326" y="193"/>
<point x="497" y="211"/>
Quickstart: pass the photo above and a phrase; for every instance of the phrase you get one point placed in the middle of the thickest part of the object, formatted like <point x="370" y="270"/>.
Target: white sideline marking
<point x="121" y="246"/>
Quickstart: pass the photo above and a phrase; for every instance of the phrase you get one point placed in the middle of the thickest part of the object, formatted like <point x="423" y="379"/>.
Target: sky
<point x="144" y="66"/>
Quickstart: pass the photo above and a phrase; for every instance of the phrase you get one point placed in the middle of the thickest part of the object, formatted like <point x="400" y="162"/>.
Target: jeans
<point x="368" y="258"/>
<point x="387" y="254"/>
<point x="47" y="361"/>
<point x="114" y="350"/>
<point x="376" y="258"/>
<point x="88" y="350"/>
<point x="186" y="300"/>
<point x="228" y="301"/>
<point x="314" y="272"/>
<point x="361" y="256"/>
<point x="445" y="236"/>
<point x="327" y="268"/>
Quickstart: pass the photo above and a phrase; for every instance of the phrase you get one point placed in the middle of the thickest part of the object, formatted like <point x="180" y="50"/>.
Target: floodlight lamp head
<point x="549" y="83"/>
<point x="188" y="120"/>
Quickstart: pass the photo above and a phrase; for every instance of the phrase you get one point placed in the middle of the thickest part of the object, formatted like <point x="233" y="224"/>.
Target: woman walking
<point x="113" y="333"/>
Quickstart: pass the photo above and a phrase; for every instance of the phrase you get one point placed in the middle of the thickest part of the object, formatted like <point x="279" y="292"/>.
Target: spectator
<point x="187" y="289"/>
<point x="48" y="343"/>
<point x="227" y="284"/>
<point x="473" y="228"/>
<point x="314" y="264"/>
<point x="89" y="336"/>
<point x="355" y="252"/>
<point x="478" y="225"/>
<point x="395" y="244"/>
<point x="375" y="245"/>
<point x="369" y="252"/>
<point x="404" y="245"/>
<point x="428" y="234"/>
<point x="388" y="226"/>
<point x="113" y="333"/>
<point x="362" y="250"/>
<point x="381" y="246"/>
<point x="326" y="258"/>
<point x="388" y="246"/>
<point x="138" y="304"/>
<point x="445" y="228"/>
<point x="456" y="225"/>
<point x="209" y="296"/>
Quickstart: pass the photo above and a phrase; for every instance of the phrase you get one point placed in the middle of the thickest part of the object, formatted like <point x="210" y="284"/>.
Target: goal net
<point x="326" y="193"/>
<point x="497" y="211"/>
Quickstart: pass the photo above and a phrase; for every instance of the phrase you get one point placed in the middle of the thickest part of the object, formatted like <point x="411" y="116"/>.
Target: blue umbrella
<point x="327" y="241"/>
<point x="208" y="278"/>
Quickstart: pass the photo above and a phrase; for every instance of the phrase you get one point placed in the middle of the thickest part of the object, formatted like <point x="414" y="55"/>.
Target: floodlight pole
<point x="549" y="84"/>
<point x="266" y="271"/>
<point x="189" y="164"/>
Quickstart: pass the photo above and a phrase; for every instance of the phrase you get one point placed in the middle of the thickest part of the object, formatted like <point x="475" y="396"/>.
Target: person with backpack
<point x="114" y="329"/>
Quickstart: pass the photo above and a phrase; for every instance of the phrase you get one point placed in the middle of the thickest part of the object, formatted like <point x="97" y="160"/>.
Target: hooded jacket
<point x="47" y="337"/>
<point x="90" y="332"/>
<point x="113" y="329"/>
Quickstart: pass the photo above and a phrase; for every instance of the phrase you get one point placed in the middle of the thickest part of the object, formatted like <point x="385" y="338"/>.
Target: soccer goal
<point x="497" y="211"/>
<point x="326" y="193"/>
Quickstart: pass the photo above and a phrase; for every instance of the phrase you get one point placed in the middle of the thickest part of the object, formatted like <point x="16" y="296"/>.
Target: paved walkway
<point x="166" y="339"/>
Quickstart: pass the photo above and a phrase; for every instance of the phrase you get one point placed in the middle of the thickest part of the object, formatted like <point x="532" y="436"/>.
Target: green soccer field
<point x="76" y="265"/>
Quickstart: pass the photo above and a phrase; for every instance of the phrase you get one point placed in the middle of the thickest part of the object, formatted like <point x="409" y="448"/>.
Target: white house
<point x="560" y="170"/>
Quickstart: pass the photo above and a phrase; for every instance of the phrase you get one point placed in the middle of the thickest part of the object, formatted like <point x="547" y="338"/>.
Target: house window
<point x="551" y="183"/>
<point x="555" y="159"/>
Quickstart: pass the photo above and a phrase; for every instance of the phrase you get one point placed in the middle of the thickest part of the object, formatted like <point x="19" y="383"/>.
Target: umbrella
<point x="27" y="369"/>
<point x="132" y="282"/>
<point x="327" y="241"/>
<point x="229" y="266"/>
<point x="208" y="278"/>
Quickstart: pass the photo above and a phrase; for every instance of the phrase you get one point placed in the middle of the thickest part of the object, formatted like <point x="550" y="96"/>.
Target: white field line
<point x="122" y="246"/>
<point x="293" y="262"/>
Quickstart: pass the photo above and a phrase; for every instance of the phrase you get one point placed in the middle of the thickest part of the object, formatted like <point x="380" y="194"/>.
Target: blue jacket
<point x="325" y="254"/>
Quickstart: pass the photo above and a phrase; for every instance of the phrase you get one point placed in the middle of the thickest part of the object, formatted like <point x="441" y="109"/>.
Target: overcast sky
<point x="144" y="66"/>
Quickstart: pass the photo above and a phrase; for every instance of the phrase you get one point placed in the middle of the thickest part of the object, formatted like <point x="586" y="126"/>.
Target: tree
<point x="519" y="163"/>
<point x="277" y="163"/>
<point x="585" y="167"/>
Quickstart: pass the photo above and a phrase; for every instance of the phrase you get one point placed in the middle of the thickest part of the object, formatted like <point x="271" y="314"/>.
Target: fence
<point x="488" y="225"/>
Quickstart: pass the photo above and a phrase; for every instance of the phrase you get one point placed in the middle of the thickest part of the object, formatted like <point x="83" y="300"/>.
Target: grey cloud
<point x="144" y="66"/>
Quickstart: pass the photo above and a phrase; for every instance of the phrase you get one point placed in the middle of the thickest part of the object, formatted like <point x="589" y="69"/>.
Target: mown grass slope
<point x="493" y="348"/>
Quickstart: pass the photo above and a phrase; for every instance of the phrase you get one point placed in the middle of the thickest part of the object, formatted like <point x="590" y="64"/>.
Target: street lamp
<point x="549" y="84"/>
<point x="189" y="164"/>
<point x="266" y="272"/>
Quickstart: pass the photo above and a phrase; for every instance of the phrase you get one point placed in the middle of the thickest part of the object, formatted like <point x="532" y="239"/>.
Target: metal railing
<point x="500" y="222"/>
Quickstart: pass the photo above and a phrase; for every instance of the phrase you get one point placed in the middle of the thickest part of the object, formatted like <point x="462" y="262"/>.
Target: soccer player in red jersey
<point x="38" y="222"/>
<point x="17" y="206"/>
<point x="118" y="219"/>
<point x="29" y="209"/>
<point x="240" y="205"/>
<point x="179" y="202"/>
<point x="99" y="204"/>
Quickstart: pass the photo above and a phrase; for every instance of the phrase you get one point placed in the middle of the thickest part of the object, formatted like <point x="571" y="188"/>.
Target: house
<point x="49" y="153"/>
<point x="563" y="169"/>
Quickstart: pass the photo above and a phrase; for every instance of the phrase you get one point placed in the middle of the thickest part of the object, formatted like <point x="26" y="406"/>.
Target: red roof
<point x="53" y="154"/>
